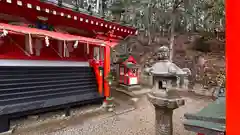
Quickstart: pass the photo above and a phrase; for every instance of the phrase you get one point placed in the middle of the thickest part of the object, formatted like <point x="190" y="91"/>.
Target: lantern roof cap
<point x="166" y="68"/>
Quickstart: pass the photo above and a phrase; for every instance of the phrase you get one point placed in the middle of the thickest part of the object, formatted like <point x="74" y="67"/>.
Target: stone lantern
<point x="165" y="100"/>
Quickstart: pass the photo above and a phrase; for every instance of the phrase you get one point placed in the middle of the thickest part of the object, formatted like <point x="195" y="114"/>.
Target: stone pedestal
<point x="165" y="102"/>
<point x="164" y="123"/>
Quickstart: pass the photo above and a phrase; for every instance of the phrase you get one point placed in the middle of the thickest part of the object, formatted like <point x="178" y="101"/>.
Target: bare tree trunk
<point x="149" y="22"/>
<point x="172" y="36"/>
<point x="192" y="78"/>
<point x="174" y="19"/>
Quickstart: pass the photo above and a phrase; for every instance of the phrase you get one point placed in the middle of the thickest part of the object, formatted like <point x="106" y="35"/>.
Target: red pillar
<point x="106" y="70"/>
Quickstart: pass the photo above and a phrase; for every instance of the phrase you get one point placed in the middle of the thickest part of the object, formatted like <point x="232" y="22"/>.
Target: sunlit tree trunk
<point x="174" y="19"/>
<point x="172" y="38"/>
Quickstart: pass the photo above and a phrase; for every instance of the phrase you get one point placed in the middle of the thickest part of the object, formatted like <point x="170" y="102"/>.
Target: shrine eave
<point x="32" y="9"/>
<point x="54" y="35"/>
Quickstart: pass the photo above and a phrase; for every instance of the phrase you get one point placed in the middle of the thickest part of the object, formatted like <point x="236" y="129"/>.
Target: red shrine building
<point x="52" y="56"/>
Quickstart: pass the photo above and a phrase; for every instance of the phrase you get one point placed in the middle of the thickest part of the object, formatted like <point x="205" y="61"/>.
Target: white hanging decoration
<point x="47" y="41"/>
<point x="87" y="48"/>
<point x="75" y="44"/>
<point x="30" y="44"/>
<point x="5" y="32"/>
<point x="64" y="49"/>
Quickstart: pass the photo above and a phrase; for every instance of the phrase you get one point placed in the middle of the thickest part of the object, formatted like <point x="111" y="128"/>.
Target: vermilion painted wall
<point x="8" y="49"/>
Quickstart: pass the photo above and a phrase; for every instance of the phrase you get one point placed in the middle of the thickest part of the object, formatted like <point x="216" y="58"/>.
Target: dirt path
<point x="137" y="122"/>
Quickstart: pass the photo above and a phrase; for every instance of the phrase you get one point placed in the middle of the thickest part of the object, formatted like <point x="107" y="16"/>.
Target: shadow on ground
<point x="128" y="118"/>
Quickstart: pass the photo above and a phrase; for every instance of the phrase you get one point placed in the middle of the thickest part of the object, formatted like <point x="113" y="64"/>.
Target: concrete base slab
<point x="130" y="88"/>
<point x="134" y="93"/>
<point x="124" y="106"/>
<point x="200" y="91"/>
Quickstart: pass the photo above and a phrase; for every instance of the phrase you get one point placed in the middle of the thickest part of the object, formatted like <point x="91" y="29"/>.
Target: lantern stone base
<point x="130" y="87"/>
<point x="134" y="93"/>
<point x="165" y="102"/>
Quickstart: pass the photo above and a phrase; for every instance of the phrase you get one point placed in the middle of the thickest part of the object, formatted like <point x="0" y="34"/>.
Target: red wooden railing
<point x="99" y="78"/>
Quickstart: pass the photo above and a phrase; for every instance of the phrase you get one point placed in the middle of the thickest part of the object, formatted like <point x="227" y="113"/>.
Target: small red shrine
<point x="128" y="72"/>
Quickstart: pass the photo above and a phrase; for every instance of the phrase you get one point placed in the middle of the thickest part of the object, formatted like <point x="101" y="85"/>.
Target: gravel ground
<point x="137" y="122"/>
